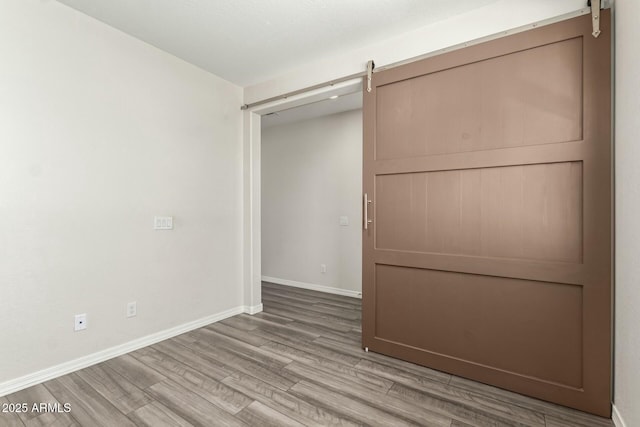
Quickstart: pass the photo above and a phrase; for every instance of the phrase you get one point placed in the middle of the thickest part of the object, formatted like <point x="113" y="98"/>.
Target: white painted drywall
<point x="312" y="175"/>
<point x="99" y="132"/>
<point x="627" y="177"/>
<point x="490" y="19"/>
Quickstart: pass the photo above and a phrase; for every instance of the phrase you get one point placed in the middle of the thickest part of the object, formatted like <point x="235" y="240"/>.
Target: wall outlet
<point x="80" y="322"/>
<point x="344" y="221"/>
<point x="323" y="268"/>
<point x="132" y="309"/>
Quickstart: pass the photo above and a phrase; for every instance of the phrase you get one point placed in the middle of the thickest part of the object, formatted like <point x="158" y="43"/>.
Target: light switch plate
<point x="344" y="221"/>
<point x="163" y="223"/>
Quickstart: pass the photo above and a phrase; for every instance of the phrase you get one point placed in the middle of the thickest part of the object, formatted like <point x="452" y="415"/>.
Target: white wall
<point x="492" y="19"/>
<point x="312" y="175"/>
<point x="99" y="132"/>
<point x="627" y="140"/>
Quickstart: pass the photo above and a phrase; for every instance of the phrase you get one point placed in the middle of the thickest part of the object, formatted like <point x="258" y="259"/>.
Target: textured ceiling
<point x="249" y="41"/>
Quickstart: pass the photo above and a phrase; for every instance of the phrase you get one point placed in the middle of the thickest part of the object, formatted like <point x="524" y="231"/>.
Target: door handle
<point x="365" y="210"/>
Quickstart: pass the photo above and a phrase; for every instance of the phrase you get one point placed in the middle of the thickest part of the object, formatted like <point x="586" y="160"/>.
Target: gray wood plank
<point x="455" y="410"/>
<point x="244" y="323"/>
<point x="214" y="391"/>
<point x="314" y="317"/>
<point x="404" y="368"/>
<point x="88" y="406"/>
<point x="275" y="332"/>
<point x="240" y="363"/>
<point x="135" y="371"/>
<point x="320" y="308"/>
<point x="338" y="376"/>
<point x="238" y="334"/>
<point x="353" y="313"/>
<point x="352" y="337"/>
<point x="191" y="406"/>
<point x="293" y="328"/>
<point x="286" y="403"/>
<point x="553" y="421"/>
<point x="156" y="414"/>
<point x="270" y="317"/>
<point x="481" y="403"/>
<point x="249" y="350"/>
<point x="357" y="352"/>
<point x="258" y="414"/>
<point x="369" y="389"/>
<point x="272" y="288"/>
<point x="306" y="332"/>
<point x="115" y="388"/>
<point x="342" y="308"/>
<point x="33" y="395"/>
<point x="349" y="406"/>
<point x="422" y="379"/>
<point x="52" y="420"/>
<point x="208" y="367"/>
<point x="305" y="318"/>
<point x="301" y="350"/>
<point x="557" y="412"/>
<point x="9" y="419"/>
<point x="293" y="353"/>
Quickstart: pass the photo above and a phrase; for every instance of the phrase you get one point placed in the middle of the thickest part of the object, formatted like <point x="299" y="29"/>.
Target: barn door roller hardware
<point x="595" y="16"/>
<point x="367" y="74"/>
<point x="370" y="66"/>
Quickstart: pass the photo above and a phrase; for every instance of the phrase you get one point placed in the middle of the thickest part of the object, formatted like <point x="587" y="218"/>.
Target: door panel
<point x="523" y="98"/>
<point x="528" y="212"/>
<point x="464" y="317"/>
<point x="489" y="174"/>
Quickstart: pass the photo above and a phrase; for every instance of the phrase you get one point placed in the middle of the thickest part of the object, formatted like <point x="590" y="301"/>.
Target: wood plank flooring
<point x="298" y="363"/>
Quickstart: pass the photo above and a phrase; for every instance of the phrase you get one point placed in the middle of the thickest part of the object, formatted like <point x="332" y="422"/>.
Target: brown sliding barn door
<point x="489" y="251"/>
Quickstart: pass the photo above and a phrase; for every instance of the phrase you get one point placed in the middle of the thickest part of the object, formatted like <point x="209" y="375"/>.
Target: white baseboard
<point x="313" y="287"/>
<point x="616" y="417"/>
<point x="252" y="309"/>
<point x="47" y="374"/>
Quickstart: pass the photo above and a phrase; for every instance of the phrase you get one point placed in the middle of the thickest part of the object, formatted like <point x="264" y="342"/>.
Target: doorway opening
<point x="304" y="155"/>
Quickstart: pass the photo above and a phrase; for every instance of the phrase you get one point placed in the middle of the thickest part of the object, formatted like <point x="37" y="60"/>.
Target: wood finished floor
<point x="297" y="363"/>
